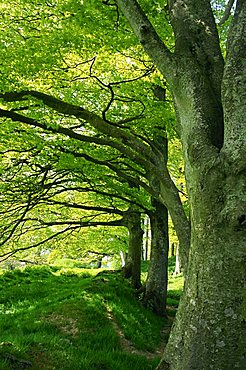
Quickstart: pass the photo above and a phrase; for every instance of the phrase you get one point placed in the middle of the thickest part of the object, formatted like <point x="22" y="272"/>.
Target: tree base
<point x="152" y="301"/>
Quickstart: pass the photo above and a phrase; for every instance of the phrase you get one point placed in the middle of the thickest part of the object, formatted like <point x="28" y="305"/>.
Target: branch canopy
<point x="147" y="35"/>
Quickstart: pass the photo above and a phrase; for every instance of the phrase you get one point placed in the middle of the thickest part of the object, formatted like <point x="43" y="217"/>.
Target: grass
<point x="73" y="319"/>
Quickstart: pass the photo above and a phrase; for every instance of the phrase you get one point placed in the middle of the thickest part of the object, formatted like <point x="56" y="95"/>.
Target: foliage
<point x="62" y="165"/>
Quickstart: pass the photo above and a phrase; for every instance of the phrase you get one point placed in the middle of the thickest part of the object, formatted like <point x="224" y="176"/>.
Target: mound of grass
<point x="68" y="321"/>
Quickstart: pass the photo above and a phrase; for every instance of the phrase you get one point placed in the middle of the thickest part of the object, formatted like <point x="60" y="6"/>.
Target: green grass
<point x="70" y="319"/>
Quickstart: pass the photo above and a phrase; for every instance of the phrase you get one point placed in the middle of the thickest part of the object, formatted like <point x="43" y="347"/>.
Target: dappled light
<point x="122" y="185"/>
<point x="97" y="312"/>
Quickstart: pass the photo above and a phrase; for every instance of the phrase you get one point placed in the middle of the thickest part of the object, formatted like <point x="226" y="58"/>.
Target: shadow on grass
<point x="51" y="321"/>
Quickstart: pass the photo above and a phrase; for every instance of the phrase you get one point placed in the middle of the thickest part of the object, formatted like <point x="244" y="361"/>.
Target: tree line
<point x="70" y="123"/>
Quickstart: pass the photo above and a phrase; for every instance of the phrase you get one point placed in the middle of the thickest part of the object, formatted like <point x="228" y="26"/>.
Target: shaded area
<point x="51" y="321"/>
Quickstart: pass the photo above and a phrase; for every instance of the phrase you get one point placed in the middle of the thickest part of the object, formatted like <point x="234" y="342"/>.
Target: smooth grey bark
<point x="132" y="268"/>
<point x="209" y="98"/>
<point x="155" y="293"/>
<point x="209" y="330"/>
<point x="163" y="185"/>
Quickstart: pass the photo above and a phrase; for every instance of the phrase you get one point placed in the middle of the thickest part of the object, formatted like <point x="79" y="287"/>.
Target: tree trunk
<point x="177" y="269"/>
<point x="173" y="250"/>
<point x="147" y="238"/>
<point x="210" y="327"/>
<point x="155" y="294"/>
<point x="99" y="262"/>
<point x="209" y="98"/>
<point x="132" y="269"/>
<point x="123" y="257"/>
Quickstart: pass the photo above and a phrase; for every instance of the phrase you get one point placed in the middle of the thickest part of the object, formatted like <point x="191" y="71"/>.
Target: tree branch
<point x="73" y="110"/>
<point x="118" y="171"/>
<point x="6" y="255"/>
<point x="87" y="208"/>
<point x="148" y="37"/>
<point x="77" y="223"/>
<point x="72" y="225"/>
<point x="227" y="12"/>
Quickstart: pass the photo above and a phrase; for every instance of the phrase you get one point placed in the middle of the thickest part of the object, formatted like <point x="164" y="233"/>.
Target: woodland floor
<point x="76" y="320"/>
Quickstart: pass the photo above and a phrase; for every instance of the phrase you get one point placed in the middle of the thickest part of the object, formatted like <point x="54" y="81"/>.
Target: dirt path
<point x="129" y="347"/>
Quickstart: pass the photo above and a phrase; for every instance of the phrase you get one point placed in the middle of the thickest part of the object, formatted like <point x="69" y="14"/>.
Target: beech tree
<point x="133" y="155"/>
<point x="209" y="97"/>
<point x="208" y="89"/>
<point x="58" y="41"/>
<point x="39" y="190"/>
<point x="44" y="200"/>
<point x="45" y="197"/>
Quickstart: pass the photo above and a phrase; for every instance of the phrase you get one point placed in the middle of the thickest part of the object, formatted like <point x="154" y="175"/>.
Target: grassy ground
<point x="71" y="319"/>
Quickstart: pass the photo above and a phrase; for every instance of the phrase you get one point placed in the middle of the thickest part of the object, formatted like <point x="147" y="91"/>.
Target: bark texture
<point x="209" y="98"/>
<point x="132" y="269"/>
<point x="210" y="329"/>
<point x="209" y="332"/>
<point x="155" y="294"/>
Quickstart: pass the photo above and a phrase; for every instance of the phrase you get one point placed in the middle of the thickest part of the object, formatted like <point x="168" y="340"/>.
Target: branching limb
<point x="147" y="35"/>
<point x="113" y="97"/>
<point x="79" y="223"/>
<point x="96" y="190"/>
<point x="6" y="255"/>
<point x="20" y="220"/>
<point x="70" y="227"/>
<point x="126" y="138"/>
<point x="85" y="207"/>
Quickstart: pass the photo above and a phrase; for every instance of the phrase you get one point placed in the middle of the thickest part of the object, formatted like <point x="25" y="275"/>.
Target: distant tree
<point x="108" y="86"/>
<point x="81" y="117"/>
<point x="51" y="204"/>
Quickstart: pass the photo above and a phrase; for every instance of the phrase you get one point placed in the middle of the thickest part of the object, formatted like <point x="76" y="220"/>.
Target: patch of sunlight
<point x="19" y="307"/>
<point x="176" y="283"/>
